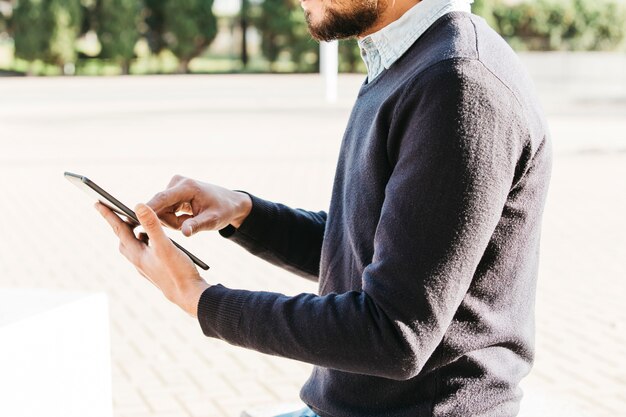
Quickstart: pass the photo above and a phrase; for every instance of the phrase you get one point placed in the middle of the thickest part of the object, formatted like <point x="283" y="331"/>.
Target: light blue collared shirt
<point x="381" y="49"/>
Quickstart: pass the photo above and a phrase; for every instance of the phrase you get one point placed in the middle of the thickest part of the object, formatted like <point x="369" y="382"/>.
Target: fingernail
<point x="141" y="210"/>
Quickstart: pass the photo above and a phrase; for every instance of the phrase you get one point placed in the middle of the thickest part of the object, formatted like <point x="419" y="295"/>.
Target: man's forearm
<point x="286" y="237"/>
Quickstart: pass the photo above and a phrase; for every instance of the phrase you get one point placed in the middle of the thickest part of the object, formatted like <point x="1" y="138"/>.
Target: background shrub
<point x="554" y="25"/>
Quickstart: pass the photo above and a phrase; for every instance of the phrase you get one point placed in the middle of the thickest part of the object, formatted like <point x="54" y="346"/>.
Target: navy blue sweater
<point x="427" y="258"/>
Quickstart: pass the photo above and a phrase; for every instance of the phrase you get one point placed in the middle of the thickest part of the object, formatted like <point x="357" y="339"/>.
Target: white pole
<point x="329" y="67"/>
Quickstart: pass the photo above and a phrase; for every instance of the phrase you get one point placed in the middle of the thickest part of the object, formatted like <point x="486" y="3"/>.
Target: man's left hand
<point x="167" y="267"/>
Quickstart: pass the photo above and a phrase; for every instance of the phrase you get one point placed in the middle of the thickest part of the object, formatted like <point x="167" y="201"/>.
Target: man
<point x="427" y="258"/>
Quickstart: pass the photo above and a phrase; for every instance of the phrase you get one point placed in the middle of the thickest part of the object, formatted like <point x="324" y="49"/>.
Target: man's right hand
<point x="191" y="206"/>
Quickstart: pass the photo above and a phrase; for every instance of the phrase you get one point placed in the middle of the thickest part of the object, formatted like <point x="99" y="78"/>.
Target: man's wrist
<point x="244" y="207"/>
<point x="192" y="298"/>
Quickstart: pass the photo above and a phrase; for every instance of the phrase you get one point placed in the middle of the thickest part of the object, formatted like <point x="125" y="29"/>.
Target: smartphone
<point x="96" y="192"/>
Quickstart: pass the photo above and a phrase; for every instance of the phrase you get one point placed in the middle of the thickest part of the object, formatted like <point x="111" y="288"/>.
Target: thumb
<point x="203" y="221"/>
<point x="189" y="227"/>
<point x="151" y="224"/>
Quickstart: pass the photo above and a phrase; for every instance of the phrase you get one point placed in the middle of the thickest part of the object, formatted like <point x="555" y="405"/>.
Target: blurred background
<point x="106" y="37"/>
<point x="254" y="116"/>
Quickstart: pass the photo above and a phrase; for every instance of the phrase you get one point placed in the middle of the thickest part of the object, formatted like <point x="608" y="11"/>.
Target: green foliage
<point x="189" y="28"/>
<point x="67" y="17"/>
<point x="117" y="29"/>
<point x="284" y="33"/>
<point x="46" y="30"/>
<point x="283" y="30"/>
<point x="304" y="50"/>
<point x="485" y="9"/>
<point x="5" y="10"/>
<point x="574" y="25"/>
<point x="155" y="22"/>
<point x="31" y="25"/>
<point x="275" y="24"/>
<point x="185" y="27"/>
<point x="350" y="56"/>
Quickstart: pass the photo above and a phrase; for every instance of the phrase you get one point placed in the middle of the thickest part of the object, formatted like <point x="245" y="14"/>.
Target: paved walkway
<point x="274" y="136"/>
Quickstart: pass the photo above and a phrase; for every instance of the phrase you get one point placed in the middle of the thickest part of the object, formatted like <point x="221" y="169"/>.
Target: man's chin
<point x="325" y="36"/>
<point x="315" y="28"/>
<point x="328" y="25"/>
<point x="320" y="36"/>
<point x="318" y="30"/>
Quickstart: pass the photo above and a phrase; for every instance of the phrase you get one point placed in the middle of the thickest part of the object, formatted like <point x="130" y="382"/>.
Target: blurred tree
<point x="349" y="55"/>
<point x="189" y="28"/>
<point x="67" y="23"/>
<point x="6" y="10"/>
<point x="304" y="50"/>
<point x="117" y="29"/>
<point x="155" y="21"/>
<point x="283" y="29"/>
<point x="275" y="26"/>
<point x="88" y="15"/>
<point x="243" y="24"/>
<point x="31" y="25"/>
<point x="601" y="25"/>
<point x="574" y="25"/>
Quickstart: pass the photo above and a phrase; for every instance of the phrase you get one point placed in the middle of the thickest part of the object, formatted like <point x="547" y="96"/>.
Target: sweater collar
<point x="381" y="49"/>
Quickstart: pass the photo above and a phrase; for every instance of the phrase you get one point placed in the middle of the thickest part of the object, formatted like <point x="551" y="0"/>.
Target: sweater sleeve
<point x="286" y="237"/>
<point x="454" y="146"/>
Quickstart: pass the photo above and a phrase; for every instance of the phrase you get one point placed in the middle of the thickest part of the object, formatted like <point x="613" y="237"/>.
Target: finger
<point x="176" y="179"/>
<point x="170" y="220"/>
<point x="173" y="221"/>
<point x="184" y="208"/>
<point x="203" y="221"/>
<point x="180" y="220"/>
<point x="174" y="216"/>
<point x="121" y="229"/>
<point x="171" y="198"/>
<point x="151" y="224"/>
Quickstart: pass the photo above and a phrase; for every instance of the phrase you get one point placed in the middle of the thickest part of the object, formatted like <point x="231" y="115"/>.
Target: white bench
<point x="544" y="402"/>
<point x="55" y="356"/>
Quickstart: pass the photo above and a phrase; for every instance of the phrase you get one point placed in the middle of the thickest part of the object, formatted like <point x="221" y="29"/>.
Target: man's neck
<point x="393" y="11"/>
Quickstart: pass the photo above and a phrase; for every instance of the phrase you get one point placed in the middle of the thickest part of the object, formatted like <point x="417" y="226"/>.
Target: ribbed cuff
<point x="257" y="222"/>
<point x="219" y="312"/>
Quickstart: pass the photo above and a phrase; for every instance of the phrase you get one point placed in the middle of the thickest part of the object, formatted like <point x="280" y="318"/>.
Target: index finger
<point x="121" y="229"/>
<point x="172" y="197"/>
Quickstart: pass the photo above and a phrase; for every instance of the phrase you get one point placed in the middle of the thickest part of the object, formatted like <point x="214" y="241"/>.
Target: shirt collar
<point x="381" y="49"/>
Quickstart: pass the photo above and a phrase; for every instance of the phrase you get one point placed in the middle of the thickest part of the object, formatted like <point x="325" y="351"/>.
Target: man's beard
<point x="344" y="25"/>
